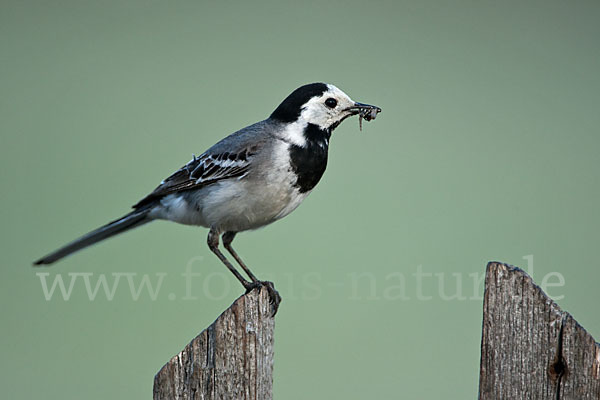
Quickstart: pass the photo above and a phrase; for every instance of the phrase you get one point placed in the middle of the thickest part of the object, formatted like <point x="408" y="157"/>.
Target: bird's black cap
<point x="290" y="108"/>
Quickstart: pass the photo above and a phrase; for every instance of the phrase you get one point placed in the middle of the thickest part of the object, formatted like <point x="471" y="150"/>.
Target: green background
<point x="486" y="149"/>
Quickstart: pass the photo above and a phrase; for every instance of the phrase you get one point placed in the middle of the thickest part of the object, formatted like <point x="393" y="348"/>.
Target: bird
<point x="251" y="178"/>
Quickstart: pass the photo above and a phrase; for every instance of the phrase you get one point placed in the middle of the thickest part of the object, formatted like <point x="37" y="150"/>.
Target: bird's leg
<point x="227" y="239"/>
<point x="213" y="245"/>
<point x="274" y="296"/>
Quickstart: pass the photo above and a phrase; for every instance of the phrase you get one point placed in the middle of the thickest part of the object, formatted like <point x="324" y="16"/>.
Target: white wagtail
<point x="251" y="178"/>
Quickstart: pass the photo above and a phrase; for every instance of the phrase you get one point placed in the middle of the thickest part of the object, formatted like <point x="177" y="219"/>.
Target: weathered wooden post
<point x="530" y="348"/>
<point x="231" y="359"/>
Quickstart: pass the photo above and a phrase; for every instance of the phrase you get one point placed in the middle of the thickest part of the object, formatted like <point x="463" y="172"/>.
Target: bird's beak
<point x="366" y="111"/>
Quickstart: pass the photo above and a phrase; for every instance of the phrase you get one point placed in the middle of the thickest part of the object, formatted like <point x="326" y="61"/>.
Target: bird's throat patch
<point x="309" y="162"/>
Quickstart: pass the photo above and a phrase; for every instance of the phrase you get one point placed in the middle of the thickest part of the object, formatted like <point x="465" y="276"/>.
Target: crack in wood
<point x="558" y="369"/>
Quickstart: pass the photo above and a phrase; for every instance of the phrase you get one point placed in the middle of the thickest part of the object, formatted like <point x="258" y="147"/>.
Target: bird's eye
<point x="331" y="102"/>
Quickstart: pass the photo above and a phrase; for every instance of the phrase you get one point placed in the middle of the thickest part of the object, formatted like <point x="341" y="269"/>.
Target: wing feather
<point x="202" y="171"/>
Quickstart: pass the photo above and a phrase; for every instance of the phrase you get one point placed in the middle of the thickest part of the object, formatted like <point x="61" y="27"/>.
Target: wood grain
<point x="231" y="359"/>
<point x="530" y="348"/>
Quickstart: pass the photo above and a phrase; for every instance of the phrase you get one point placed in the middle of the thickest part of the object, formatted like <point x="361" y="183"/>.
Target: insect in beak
<point x="366" y="111"/>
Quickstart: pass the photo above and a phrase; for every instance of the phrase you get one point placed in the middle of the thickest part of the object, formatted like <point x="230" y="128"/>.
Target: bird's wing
<point x="204" y="170"/>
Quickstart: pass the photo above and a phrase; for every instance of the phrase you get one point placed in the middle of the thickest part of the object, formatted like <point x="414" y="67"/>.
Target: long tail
<point x="129" y="221"/>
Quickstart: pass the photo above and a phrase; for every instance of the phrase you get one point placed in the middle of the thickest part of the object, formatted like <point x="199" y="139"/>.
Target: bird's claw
<point x="274" y="297"/>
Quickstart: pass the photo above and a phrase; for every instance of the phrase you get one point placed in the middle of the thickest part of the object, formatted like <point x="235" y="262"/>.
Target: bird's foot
<point x="274" y="297"/>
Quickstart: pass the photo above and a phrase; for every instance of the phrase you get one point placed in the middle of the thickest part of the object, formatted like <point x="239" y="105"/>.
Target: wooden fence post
<point x="530" y="348"/>
<point x="231" y="359"/>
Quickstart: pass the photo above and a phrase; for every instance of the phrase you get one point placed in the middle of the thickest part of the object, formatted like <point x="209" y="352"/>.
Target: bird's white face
<point x="329" y="109"/>
<point x="320" y="106"/>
